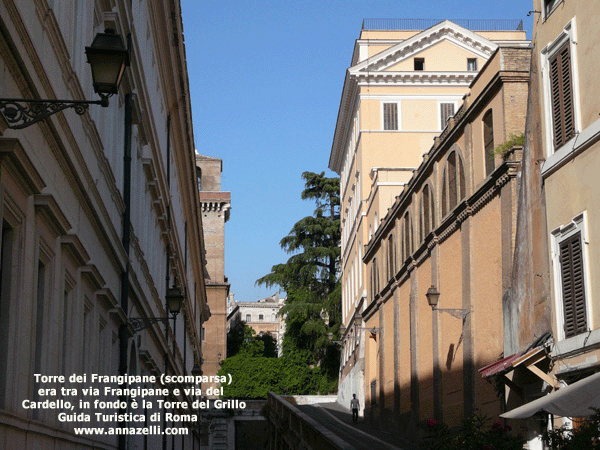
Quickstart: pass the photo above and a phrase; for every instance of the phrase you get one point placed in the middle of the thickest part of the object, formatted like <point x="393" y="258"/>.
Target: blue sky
<point x="266" y="79"/>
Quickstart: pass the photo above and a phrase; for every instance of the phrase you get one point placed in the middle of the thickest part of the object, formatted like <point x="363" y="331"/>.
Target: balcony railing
<point x="423" y="24"/>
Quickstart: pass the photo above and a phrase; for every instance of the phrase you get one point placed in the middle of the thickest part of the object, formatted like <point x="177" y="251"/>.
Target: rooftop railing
<point x="423" y="24"/>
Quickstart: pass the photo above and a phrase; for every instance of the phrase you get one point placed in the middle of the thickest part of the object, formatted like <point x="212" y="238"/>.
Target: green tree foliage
<point x="309" y="277"/>
<point x="255" y="376"/>
<point x="310" y="360"/>
<point x="473" y="434"/>
<point x="587" y="435"/>
<point x="242" y="340"/>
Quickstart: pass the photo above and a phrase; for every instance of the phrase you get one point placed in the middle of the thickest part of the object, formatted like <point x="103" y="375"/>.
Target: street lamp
<point x="107" y="57"/>
<point x="433" y="297"/>
<point x="174" y="300"/>
<point x="197" y="370"/>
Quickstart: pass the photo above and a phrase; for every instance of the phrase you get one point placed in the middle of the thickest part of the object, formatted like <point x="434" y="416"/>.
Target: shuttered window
<point x="390" y="116"/>
<point x="446" y="111"/>
<point x="561" y="88"/>
<point x="573" y="287"/>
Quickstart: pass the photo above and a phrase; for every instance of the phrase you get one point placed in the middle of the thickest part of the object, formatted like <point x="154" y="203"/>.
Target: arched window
<point x="391" y="256"/>
<point x="453" y="186"/>
<point x="407" y="236"/>
<point x="427" y="212"/>
<point x="374" y="279"/>
<point x="488" y="142"/>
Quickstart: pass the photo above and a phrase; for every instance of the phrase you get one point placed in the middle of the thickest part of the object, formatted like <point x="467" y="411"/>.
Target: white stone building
<point x="262" y="316"/>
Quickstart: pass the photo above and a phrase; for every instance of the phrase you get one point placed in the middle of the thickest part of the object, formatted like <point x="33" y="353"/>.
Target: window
<point x="419" y="63"/>
<point x="6" y="260"/>
<point x="407" y="237"/>
<point x="488" y="142"/>
<point x="66" y="320"/>
<point x="426" y="212"/>
<point x="248" y="318"/>
<point x="261" y="317"/>
<point x="549" y="6"/>
<point x="39" y="328"/>
<point x="561" y="97"/>
<point x="569" y="263"/>
<point x="390" y="116"/>
<point x="199" y="177"/>
<point x="453" y="187"/>
<point x="561" y="94"/>
<point x="374" y="279"/>
<point x="472" y="64"/>
<point x="446" y="111"/>
<point x="391" y="256"/>
<point x="573" y="290"/>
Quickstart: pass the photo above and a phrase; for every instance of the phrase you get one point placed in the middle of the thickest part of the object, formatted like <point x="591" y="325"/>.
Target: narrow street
<point x="360" y="436"/>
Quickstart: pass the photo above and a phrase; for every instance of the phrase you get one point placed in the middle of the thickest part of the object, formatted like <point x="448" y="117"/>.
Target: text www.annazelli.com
<point x="131" y="431"/>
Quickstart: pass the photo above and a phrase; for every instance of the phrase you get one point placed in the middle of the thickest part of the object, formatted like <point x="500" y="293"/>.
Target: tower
<point x="216" y="206"/>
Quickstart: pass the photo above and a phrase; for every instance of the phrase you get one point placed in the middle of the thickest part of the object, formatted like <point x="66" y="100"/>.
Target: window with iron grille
<point x="390" y="116"/>
<point x="561" y="92"/>
<point x="573" y="286"/>
<point x="446" y="111"/>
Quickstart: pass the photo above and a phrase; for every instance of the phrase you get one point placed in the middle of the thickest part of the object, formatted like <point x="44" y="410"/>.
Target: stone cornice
<point x="408" y="78"/>
<point x="444" y="30"/>
<point x="372" y="71"/>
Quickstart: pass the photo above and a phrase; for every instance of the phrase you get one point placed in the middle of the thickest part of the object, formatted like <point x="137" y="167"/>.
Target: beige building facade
<point x="404" y="83"/>
<point x="553" y="303"/>
<point x="216" y="210"/>
<point x="450" y="231"/>
<point x="100" y="220"/>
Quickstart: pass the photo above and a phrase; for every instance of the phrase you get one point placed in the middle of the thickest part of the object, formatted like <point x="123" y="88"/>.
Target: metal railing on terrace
<point x="423" y="24"/>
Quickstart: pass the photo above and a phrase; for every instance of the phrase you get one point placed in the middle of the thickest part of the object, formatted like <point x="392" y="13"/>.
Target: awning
<point x="574" y="400"/>
<point x="500" y="366"/>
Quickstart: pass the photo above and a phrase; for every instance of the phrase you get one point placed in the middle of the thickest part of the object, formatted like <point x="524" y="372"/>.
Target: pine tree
<point x="310" y="277"/>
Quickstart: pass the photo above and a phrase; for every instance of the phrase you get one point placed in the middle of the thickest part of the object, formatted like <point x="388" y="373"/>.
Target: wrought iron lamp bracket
<point x="141" y="323"/>
<point x="20" y="116"/>
<point x="458" y="313"/>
